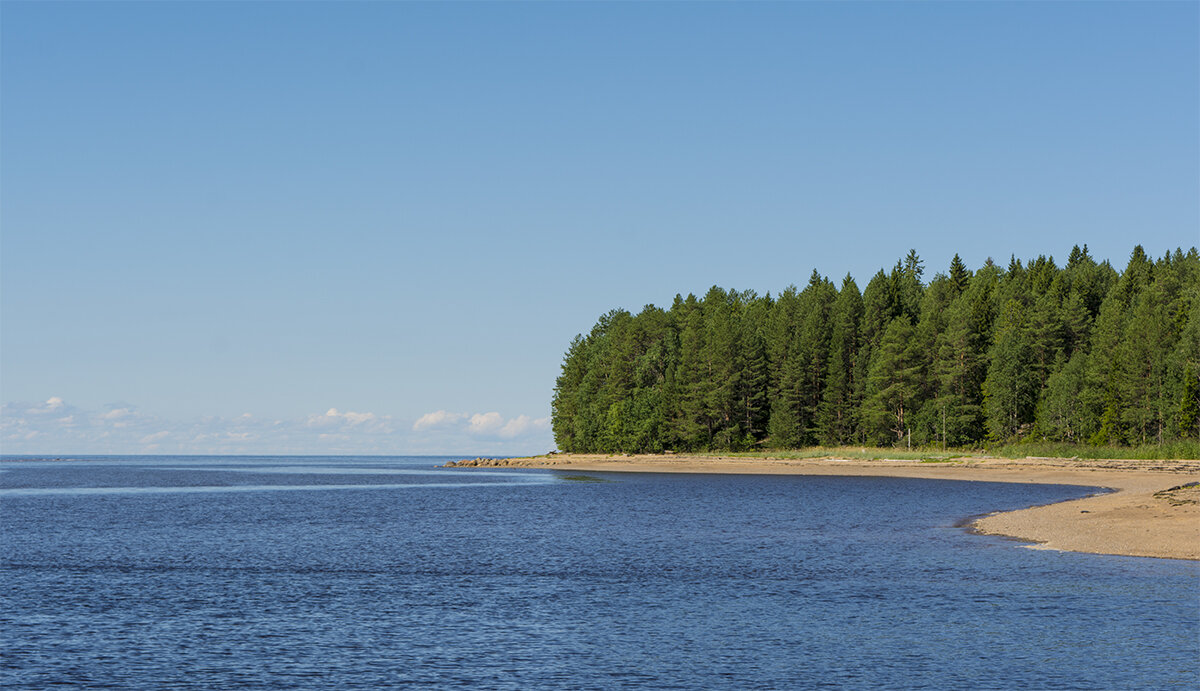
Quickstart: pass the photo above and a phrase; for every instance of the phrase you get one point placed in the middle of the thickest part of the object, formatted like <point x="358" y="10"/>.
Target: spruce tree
<point x="688" y="423"/>
<point x="959" y="275"/>
<point x="1011" y="387"/>
<point x="961" y="363"/>
<point x="1142" y="361"/>
<point x="1185" y="360"/>
<point x="813" y="352"/>
<point x="753" y="397"/>
<point x="891" y="385"/>
<point x="566" y="404"/>
<point x="722" y="375"/>
<point x="837" y="417"/>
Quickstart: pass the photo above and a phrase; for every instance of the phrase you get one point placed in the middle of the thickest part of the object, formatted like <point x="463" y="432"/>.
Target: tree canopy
<point x="1081" y="353"/>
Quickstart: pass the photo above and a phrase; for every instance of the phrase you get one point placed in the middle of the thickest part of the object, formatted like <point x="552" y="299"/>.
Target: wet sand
<point x="1141" y="517"/>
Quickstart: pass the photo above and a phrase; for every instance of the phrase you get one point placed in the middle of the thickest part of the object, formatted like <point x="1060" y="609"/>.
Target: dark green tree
<point x="837" y="417"/>
<point x="1011" y="387"/>
<point x="891" y="385"/>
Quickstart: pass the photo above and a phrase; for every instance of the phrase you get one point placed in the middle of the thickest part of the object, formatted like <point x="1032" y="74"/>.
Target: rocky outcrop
<point x="482" y="463"/>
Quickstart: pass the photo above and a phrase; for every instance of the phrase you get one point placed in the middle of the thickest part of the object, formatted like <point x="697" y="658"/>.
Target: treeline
<point x="1080" y="353"/>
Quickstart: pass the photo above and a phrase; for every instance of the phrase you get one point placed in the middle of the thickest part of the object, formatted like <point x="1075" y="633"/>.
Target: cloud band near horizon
<point x="56" y="427"/>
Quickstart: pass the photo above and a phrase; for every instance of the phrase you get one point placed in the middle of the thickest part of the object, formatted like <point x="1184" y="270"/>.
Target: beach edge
<point x="1149" y="510"/>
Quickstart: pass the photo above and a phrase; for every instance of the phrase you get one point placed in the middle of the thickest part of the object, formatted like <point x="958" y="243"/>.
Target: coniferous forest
<point x="1082" y="353"/>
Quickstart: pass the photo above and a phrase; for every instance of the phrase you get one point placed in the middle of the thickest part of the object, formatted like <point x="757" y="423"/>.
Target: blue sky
<point x="375" y="227"/>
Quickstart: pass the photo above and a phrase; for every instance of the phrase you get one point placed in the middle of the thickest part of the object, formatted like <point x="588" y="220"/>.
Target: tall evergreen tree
<point x="723" y="368"/>
<point x="1011" y="387"/>
<point x="961" y="363"/>
<point x="837" y="417"/>
<point x="959" y="275"/>
<point x="928" y="408"/>
<point x="813" y="352"/>
<point x="891" y="385"/>
<point x="566" y="404"/>
<point x="1101" y="397"/>
<point x="1185" y="360"/>
<point x="753" y="396"/>
<point x="687" y="420"/>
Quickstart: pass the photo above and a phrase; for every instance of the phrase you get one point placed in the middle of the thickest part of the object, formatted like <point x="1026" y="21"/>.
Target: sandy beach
<point x="1146" y="514"/>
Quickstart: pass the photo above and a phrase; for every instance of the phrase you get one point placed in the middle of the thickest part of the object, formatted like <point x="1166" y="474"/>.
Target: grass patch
<point x="1178" y="450"/>
<point x="861" y="453"/>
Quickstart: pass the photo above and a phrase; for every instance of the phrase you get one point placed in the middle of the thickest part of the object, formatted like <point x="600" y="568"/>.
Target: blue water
<point x="190" y="572"/>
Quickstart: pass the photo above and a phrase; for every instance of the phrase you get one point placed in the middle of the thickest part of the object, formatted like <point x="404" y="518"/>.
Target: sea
<point x="222" y="572"/>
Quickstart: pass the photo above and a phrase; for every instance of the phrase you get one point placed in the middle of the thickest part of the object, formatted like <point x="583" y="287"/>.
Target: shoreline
<point x="1146" y="513"/>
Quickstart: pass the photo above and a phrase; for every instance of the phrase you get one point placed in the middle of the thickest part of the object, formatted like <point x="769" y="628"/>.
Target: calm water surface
<point x="221" y="572"/>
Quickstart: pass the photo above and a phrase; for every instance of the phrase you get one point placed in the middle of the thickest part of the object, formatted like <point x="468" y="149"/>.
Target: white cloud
<point x="334" y="418"/>
<point x="54" y="426"/>
<point x="523" y="424"/>
<point x="490" y="425"/>
<point x="53" y="404"/>
<point x="438" y="418"/>
<point x="486" y="423"/>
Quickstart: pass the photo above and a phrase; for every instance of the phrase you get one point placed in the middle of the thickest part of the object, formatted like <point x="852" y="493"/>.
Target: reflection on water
<point x="269" y="572"/>
<point x="48" y="491"/>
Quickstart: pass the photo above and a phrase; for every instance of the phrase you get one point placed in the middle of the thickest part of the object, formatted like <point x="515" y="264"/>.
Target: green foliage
<point x="1010" y="389"/>
<point x="837" y="416"/>
<point x="1037" y="355"/>
<point x="1179" y="449"/>
<point x="892" y="385"/>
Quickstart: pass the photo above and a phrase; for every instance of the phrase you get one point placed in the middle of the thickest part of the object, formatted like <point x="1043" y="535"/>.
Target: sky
<point x="375" y="227"/>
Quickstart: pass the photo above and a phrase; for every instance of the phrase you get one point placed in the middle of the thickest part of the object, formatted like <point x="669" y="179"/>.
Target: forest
<point x="1081" y="354"/>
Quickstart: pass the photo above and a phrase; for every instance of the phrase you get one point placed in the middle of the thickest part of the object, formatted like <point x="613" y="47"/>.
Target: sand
<point x="1141" y="517"/>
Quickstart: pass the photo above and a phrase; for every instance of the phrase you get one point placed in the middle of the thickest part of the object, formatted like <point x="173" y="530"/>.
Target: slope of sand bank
<point x="1147" y="514"/>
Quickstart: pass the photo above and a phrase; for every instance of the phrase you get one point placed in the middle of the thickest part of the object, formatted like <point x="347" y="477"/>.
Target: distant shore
<point x="1149" y="513"/>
